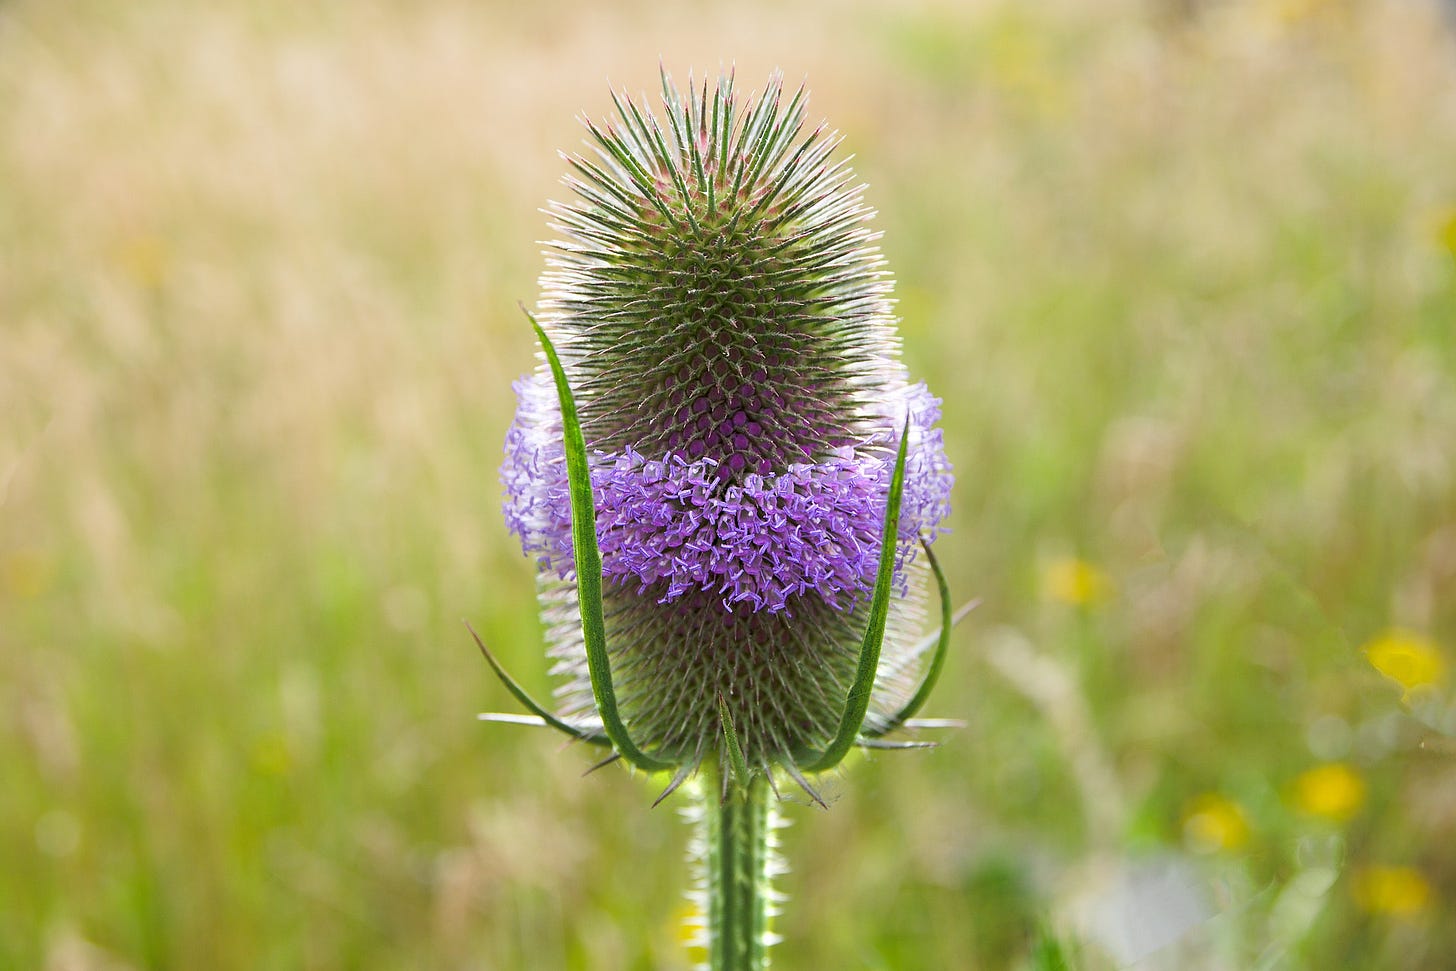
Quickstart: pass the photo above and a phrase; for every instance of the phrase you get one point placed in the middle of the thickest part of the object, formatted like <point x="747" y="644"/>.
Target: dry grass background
<point x="1185" y="277"/>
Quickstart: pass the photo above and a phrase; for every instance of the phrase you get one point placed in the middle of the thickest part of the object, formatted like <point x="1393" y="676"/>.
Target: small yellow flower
<point x="1396" y="891"/>
<point x="1446" y="231"/>
<point x="1076" y="582"/>
<point x="1409" y="659"/>
<point x="26" y="574"/>
<point x="1214" y="823"/>
<point x="1291" y="12"/>
<point x="145" y="260"/>
<point x="272" y="755"/>
<point x="690" y="921"/>
<point x="1334" y="791"/>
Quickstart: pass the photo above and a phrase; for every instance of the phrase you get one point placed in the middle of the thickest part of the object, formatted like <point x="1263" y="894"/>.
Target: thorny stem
<point x="737" y="861"/>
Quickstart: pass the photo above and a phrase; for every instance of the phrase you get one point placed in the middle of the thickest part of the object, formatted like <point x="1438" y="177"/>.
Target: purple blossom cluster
<point x="675" y="523"/>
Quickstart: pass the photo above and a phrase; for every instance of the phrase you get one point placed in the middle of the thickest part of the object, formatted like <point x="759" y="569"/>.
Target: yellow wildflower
<point x="1076" y="582"/>
<point x="690" y="922"/>
<point x="1334" y="790"/>
<point x="144" y="259"/>
<point x="1290" y="12"/>
<point x="1446" y="231"/>
<point x="26" y="574"/>
<point x="1215" y="823"/>
<point x="272" y="755"/>
<point x="1410" y="660"/>
<point x="1396" y="891"/>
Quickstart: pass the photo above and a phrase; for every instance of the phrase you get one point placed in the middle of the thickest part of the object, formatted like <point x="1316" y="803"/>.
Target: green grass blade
<point x="937" y="660"/>
<point x="521" y="695"/>
<point x="857" y="704"/>
<point x="589" y="568"/>
<point x="1048" y="953"/>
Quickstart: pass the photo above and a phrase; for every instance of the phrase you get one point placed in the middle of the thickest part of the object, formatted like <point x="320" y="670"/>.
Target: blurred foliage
<point x="1184" y="273"/>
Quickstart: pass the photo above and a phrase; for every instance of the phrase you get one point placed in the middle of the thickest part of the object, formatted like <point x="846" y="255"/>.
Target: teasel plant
<point x="728" y="481"/>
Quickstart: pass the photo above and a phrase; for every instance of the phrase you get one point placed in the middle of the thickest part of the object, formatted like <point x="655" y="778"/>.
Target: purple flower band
<point x="754" y="539"/>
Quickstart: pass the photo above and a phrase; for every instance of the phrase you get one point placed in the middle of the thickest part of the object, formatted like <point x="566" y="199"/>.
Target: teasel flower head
<point x="717" y="321"/>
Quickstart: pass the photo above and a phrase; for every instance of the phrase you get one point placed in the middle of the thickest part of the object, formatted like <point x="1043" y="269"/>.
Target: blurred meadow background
<point x="1184" y="273"/>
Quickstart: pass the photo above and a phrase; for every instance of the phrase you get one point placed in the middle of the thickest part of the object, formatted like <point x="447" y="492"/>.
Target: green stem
<point x="738" y="852"/>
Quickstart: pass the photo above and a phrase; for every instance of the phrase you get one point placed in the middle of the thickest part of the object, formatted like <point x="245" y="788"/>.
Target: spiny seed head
<point x="724" y="322"/>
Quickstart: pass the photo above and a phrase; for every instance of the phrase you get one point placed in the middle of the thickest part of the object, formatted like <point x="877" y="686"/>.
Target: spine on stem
<point x="737" y="860"/>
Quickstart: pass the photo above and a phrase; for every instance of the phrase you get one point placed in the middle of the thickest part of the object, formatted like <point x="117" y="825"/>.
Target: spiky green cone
<point x="723" y="322"/>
